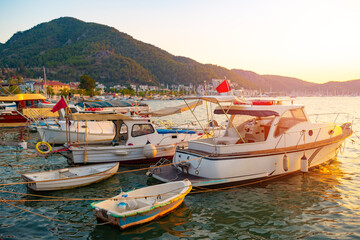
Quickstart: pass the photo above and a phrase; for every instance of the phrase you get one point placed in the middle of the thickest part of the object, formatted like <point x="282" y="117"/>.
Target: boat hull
<point x="131" y="221"/>
<point x="12" y="119"/>
<point x="158" y="203"/>
<point x="67" y="183"/>
<point x="231" y="170"/>
<point x="123" y="154"/>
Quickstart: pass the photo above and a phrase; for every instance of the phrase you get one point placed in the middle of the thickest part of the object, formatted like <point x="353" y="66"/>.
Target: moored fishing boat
<point x="263" y="139"/>
<point x="142" y="205"/>
<point x="69" y="177"/>
<point x="27" y="110"/>
<point x="86" y="131"/>
<point x="136" y="140"/>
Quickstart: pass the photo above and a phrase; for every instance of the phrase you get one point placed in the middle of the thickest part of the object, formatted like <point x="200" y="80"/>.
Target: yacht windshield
<point x="252" y="129"/>
<point x="289" y="119"/>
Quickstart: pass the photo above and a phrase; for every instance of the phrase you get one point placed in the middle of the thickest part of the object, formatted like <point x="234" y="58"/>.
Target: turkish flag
<point x="223" y="87"/>
<point x="61" y="104"/>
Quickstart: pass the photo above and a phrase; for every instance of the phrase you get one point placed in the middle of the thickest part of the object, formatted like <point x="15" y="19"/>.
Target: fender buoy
<point x="149" y="150"/>
<point x="45" y="144"/>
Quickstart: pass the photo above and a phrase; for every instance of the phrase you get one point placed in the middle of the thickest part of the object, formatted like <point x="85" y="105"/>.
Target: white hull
<point x="97" y="131"/>
<point x="118" y="153"/>
<point x="214" y="171"/>
<point x="60" y="179"/>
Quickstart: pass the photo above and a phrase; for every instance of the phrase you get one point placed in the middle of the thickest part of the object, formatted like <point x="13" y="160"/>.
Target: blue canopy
<point x="167" y="131"/>
<point x="255" y="113"/>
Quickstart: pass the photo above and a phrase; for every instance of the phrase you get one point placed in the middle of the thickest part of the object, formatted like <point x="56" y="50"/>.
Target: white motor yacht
<point x="263" y="139"/>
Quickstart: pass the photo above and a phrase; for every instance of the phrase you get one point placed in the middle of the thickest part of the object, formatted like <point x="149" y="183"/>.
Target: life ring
<point x="43" y="144"/>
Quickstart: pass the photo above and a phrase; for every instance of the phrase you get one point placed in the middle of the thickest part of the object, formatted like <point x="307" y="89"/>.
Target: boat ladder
<point x="157" y="166"/>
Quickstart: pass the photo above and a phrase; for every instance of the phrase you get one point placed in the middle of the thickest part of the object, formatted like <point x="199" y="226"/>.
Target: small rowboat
<point x="142" y="205"/>
<point x="69" y="177"/>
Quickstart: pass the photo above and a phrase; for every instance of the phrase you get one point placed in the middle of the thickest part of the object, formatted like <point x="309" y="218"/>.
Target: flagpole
<point x="207" y="109"/>
<point x="230" y="88"/>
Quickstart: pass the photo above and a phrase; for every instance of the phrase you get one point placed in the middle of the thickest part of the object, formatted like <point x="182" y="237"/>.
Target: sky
<point x="314" y="40"/>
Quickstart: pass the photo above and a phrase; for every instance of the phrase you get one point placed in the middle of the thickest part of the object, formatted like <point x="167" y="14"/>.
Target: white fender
<point x="149" y="150"/>
<point x="304" y="164"/>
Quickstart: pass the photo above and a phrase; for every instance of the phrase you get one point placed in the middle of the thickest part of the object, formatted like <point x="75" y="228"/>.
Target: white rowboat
<point x="69" y="177"/>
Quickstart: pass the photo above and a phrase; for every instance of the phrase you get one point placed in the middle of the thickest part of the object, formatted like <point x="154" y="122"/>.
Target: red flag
<point x="223" y="87"/>
<point x="61" y="104"/>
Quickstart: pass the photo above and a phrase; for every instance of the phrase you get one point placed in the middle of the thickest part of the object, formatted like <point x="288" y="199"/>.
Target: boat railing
<point x="28" y="120"/>
<point x="102" y="130"/>
<point x="302" y="135"/>
<point x="34" y="114"/>
<point x="319" y="116"/>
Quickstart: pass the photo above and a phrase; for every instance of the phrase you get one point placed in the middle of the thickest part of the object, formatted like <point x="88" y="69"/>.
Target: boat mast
<point x="45" y="83"/>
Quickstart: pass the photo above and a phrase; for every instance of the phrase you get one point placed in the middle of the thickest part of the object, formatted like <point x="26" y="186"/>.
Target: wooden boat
<point x="69" y="177"/>
<point x="142" y="205"/>
<point x="25" y="109"/>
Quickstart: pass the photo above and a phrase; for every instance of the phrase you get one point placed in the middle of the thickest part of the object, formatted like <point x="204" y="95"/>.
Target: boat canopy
<point x="219" y="99"/>
<point x="22" y="97"/>
<point x="173" y="110"/>
<point x="112" y="103"/>
<point x="98" y="117"/>
<point x="255" y="113"/>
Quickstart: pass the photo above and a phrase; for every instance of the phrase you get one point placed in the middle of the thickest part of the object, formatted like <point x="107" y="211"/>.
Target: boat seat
<point x="146" y="202"/>
<point x="67" y="174"/>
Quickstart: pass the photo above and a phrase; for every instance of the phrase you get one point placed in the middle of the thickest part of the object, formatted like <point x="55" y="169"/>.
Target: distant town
<point x="55" y="88"/>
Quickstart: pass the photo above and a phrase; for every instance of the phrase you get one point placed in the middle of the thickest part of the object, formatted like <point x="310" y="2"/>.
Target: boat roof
<point x="256" y="110"/>
<point x="98" y="117"/>
<point x="22" y="97"/>
<point x="173" y="110"/>
<point x="110" y="103"/>
<point x="219" y="99"/>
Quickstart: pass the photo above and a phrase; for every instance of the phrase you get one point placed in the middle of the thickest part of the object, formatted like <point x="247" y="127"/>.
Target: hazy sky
<point x="314" y="40"/>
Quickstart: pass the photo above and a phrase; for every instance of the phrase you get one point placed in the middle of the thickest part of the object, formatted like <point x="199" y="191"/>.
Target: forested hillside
<point x="69" y="48"/>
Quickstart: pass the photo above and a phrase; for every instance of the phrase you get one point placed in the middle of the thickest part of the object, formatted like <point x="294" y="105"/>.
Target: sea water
<point x="320" y="204"/>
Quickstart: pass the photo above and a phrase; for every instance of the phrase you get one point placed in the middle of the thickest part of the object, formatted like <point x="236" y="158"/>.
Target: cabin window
<point x="73" y="110"/>
<point x="142" y="129"/>
<point x="28" y="103"/>
<point x="121" y="130"/>
<point x="289" y="119"/>
<point x="36" y="103"/>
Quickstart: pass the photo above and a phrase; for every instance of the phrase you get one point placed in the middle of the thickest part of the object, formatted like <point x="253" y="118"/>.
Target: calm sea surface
<point x="321" y="204"/>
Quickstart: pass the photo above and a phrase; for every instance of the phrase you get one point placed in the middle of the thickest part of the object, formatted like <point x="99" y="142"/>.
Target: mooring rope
<point x="50" y="218"/>
<point x="102" y="174"/>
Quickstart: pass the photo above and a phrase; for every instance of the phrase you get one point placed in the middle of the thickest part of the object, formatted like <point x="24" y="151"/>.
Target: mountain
<point x="287" y="85"/>
<point x="69" y="48"/>
<point x="274" y="82"/>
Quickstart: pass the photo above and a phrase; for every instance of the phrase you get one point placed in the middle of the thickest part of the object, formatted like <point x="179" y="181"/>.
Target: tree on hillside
<point x="87" y="83"/>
